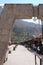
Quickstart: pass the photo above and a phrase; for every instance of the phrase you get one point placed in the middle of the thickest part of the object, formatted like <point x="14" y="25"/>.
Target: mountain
<point x="1" y="9"/>
<point x="23" y="30"/>
<point x="23" y="26"/>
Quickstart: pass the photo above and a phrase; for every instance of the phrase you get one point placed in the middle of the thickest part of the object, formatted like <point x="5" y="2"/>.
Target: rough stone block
<point x="41" y="11"/>
<point x="4" y="38"/>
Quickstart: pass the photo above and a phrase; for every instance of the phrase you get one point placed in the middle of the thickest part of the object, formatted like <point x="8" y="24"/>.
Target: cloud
<point x="31" y="20"/>
<point x="1" y="4"/>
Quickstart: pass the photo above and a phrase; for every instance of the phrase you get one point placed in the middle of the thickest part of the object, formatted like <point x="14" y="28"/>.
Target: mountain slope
<point x="25" y="30"/>
<point x="1" y="9"/>
<point x="21" y="26"/>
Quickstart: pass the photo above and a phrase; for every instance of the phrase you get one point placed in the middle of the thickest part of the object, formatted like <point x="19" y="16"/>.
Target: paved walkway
<point x="21" y="56"/>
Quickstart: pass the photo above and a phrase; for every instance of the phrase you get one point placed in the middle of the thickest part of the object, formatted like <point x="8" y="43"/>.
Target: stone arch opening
<point x="23" y="23"/>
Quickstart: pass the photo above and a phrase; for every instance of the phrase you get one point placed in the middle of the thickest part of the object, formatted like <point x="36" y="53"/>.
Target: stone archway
<point x="9" y="14"/>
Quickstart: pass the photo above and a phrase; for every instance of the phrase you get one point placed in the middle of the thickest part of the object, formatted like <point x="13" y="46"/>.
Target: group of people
<point x="11" y="47"/>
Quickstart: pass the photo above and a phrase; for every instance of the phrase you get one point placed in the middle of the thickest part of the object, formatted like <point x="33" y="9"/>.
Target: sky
<point x="34" y="2"/>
